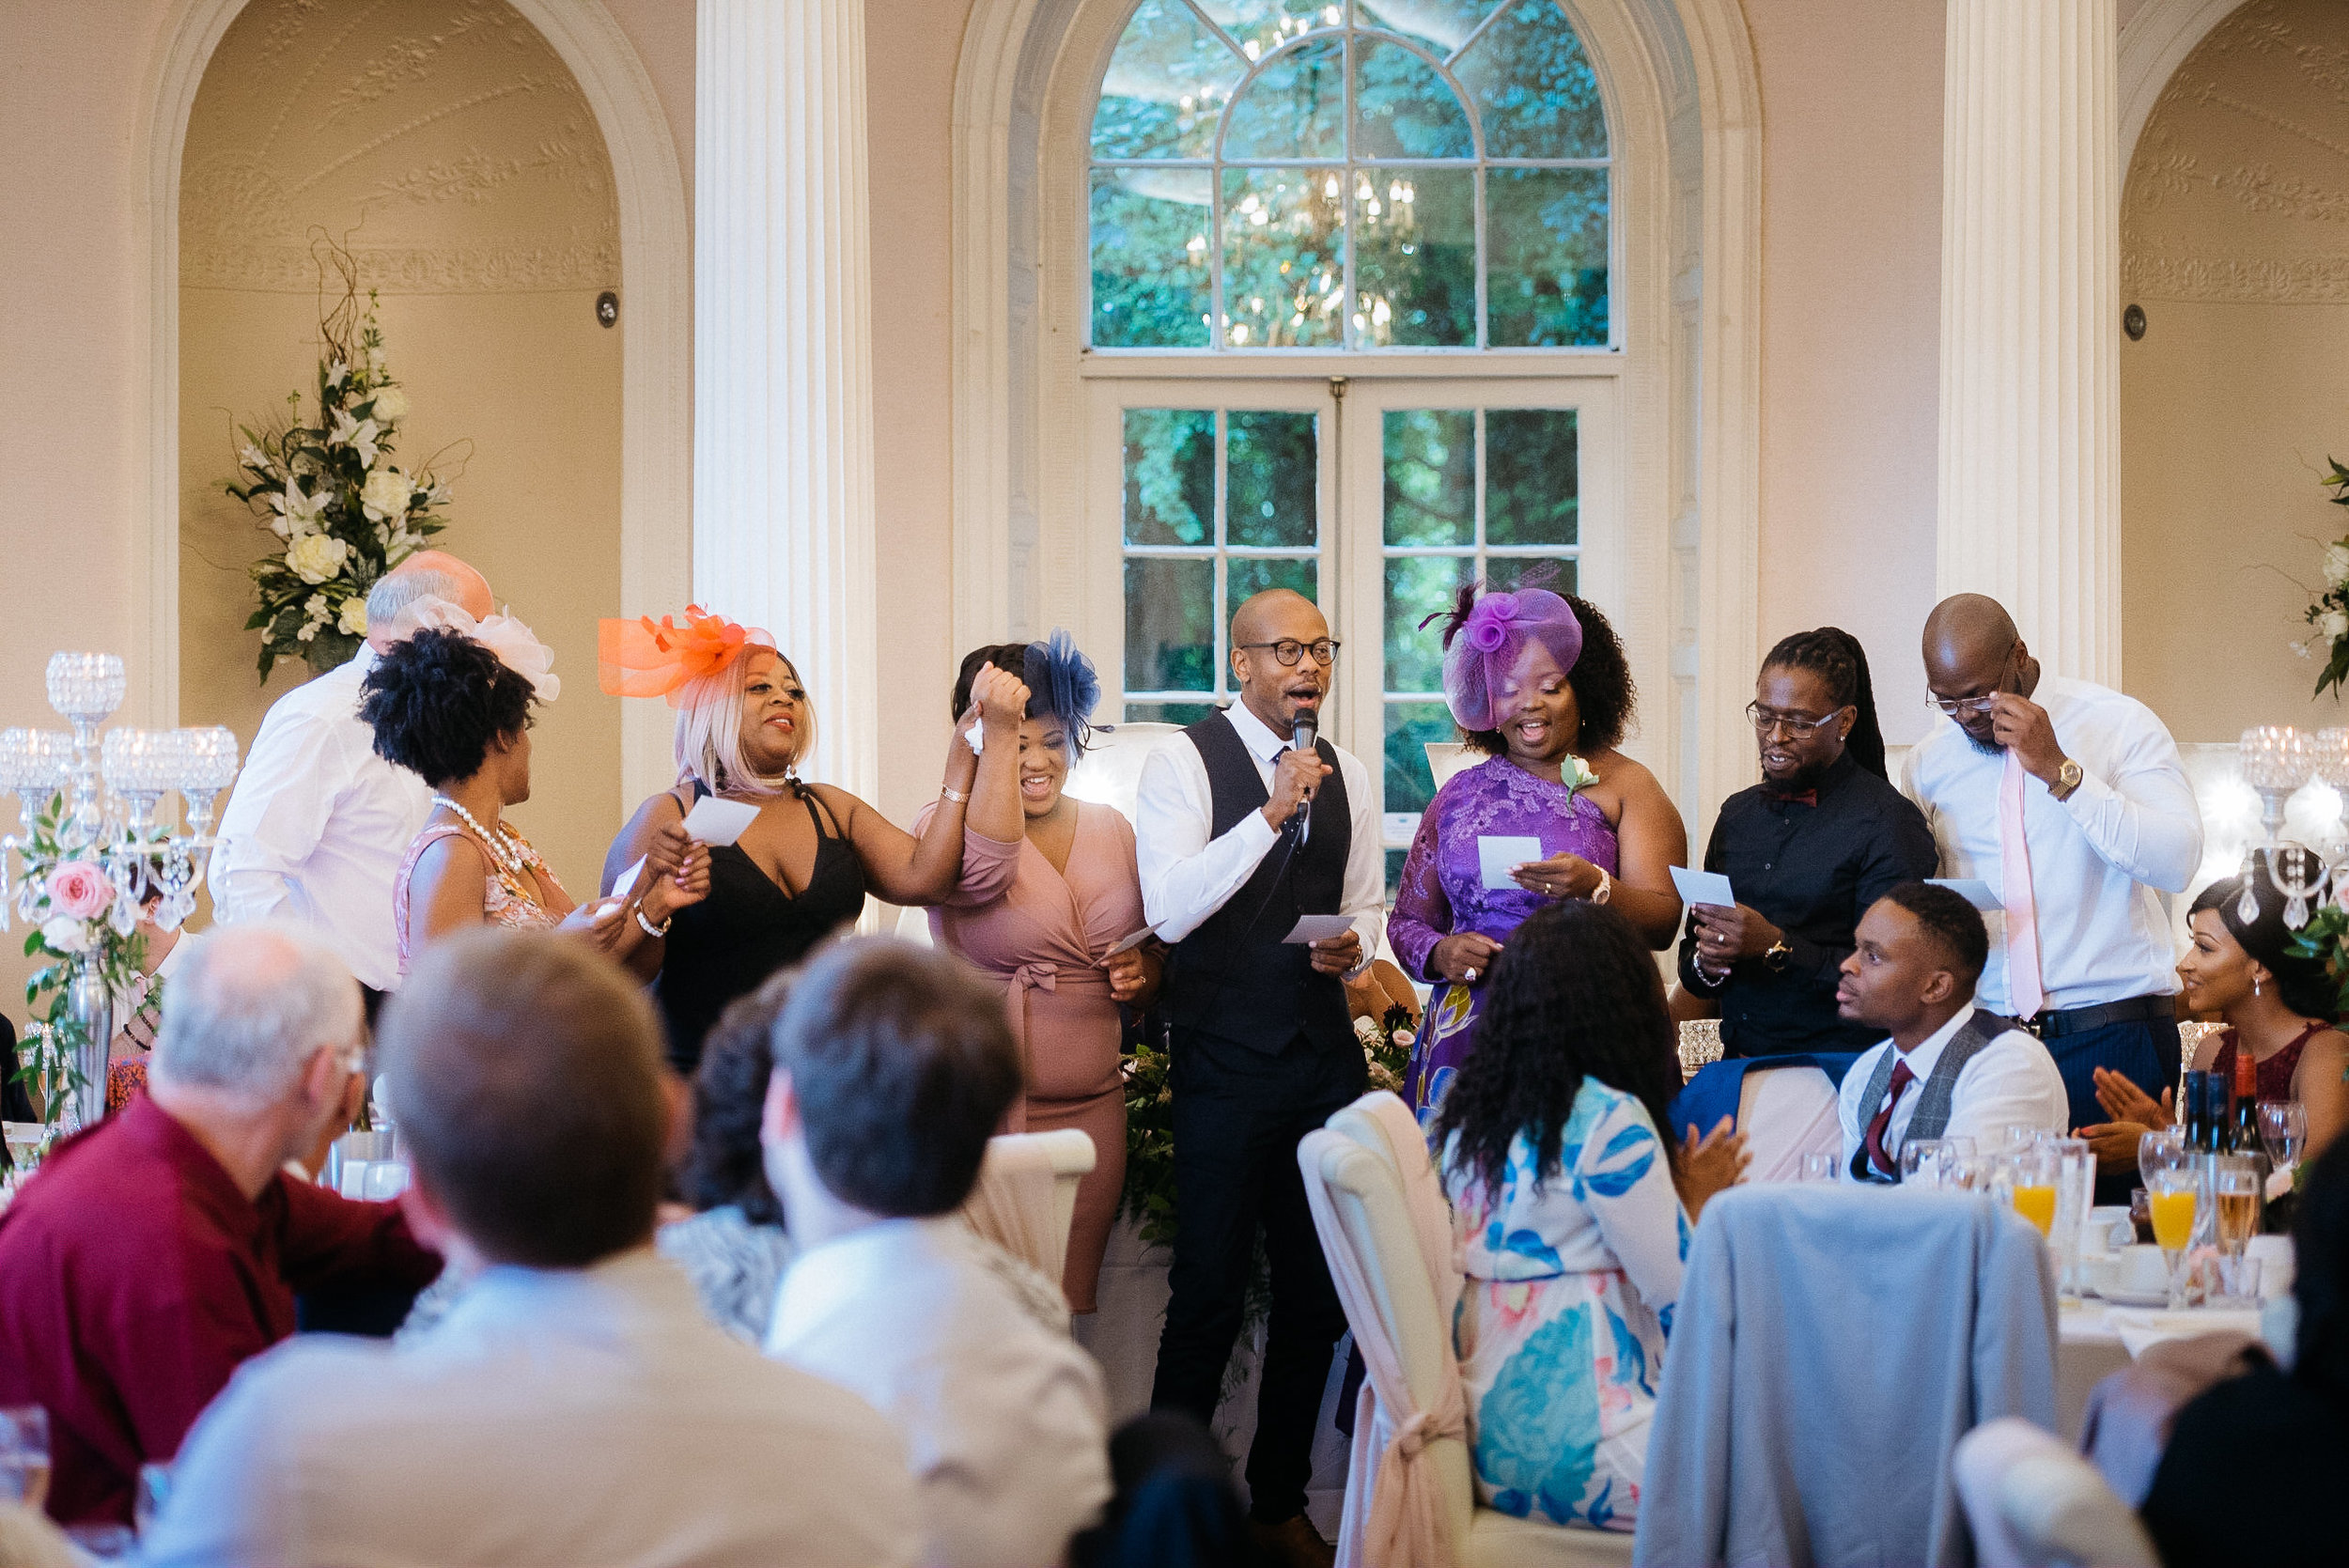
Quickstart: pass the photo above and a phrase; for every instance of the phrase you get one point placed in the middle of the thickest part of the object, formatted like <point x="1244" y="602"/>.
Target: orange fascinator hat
<point x="639" y="659"/>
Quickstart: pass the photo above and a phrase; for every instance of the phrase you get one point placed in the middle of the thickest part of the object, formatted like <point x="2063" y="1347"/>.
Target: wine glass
<point x="2284" y="1131"/>
<point x="2173" y="1184"/>
<point x="2236" y="1198"/>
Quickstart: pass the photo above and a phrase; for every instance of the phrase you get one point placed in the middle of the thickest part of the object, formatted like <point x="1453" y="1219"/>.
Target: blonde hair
<point x="710" y="730"/>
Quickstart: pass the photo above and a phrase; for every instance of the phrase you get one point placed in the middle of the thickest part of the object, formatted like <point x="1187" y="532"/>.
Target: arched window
<point x="1350" y="329"/>
<point x="1350" y="174"/>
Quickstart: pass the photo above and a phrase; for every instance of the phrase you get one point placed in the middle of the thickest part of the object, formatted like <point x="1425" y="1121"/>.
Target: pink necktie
<point x="2024" y="993"/>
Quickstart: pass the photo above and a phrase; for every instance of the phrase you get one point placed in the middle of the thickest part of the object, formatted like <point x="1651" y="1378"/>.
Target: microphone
<point x="1301" y="739"/>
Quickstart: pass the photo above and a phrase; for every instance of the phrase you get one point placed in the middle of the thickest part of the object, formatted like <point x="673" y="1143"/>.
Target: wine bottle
<point x="2246" y="1102"/>
<point x="2196" y="1105"/>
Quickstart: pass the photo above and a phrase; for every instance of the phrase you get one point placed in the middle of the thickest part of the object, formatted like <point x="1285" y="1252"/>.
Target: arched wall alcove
<point x="2235" y="237"/>
<point x="495" y="164"/>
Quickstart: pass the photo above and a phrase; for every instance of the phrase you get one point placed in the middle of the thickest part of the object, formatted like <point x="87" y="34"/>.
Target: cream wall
<point x="2236" y="241"/>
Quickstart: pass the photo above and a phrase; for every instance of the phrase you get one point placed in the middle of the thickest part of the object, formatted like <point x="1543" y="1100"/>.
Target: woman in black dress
<point x="801" y="870"/>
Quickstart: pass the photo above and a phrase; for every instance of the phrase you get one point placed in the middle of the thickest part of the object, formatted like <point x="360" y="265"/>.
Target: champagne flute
<point x="2236" y="1198"/>
<point x="2035" y="1170"/>
<point x="2173" y="1183"/>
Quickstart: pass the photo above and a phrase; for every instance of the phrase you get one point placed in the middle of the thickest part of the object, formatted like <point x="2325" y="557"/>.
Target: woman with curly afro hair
<point x="1537" y="681"/>
<point x="448" y="710"/>
<point x="1573" y="1208"/>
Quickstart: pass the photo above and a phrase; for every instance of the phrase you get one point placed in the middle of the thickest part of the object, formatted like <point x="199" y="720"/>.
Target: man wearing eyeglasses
<point x="2070" y="801"/>
<point x="1239" y="833"/>
<point x="1807" y="852"/>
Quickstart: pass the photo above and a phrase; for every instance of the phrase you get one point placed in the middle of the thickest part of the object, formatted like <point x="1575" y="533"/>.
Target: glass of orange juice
<point x="2034" y="1173"/>
<point x="2174" y="1195"/>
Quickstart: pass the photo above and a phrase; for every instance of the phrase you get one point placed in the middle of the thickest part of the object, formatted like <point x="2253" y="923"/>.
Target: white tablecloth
<point x="2094" y="1339"/>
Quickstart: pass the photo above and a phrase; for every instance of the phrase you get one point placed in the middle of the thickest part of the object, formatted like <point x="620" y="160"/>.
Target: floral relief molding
<point x="409" y="270"/>
<point x="2310" y="280"/>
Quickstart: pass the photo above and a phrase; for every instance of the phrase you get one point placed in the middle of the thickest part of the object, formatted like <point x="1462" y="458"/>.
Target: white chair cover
<point x="1395" y="1509"/>
<point x="1785" y="1113"/>
<point x="1027" y="1194"/>
<point x="2031" y="1502"/>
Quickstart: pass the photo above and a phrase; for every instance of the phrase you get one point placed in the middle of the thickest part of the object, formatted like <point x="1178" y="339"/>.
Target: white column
<point x="2030" y="351"/>
<point x="783" y="400"/>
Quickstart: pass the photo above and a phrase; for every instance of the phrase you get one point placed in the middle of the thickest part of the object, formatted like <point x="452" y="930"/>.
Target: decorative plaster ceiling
<point x="443" y="141"/>
<point x="2239" y="190"/>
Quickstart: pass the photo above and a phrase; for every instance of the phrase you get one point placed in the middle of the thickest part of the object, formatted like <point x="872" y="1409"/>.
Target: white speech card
<point x="1703" y="887"/>
<point x="1320" y="928"/>
<point x="716" y="822"/>
<point x="1971" y="889"/>
<point x="1497" y="852"/>
<point x="1129" y="942"/>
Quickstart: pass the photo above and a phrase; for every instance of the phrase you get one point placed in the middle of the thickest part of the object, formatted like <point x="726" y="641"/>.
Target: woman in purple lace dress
<point x="1538" y="682"/>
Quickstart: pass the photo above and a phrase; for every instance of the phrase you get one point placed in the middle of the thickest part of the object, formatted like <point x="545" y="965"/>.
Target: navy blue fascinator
<point x="1063" y="683"/>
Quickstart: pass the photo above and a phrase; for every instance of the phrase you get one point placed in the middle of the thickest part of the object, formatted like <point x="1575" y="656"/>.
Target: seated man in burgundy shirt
<point x="155" y="1252"/>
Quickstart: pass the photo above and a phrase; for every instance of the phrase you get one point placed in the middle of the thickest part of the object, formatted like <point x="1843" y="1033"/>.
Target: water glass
<point x="1934" y="1162"/>
<point x="2239" y="1283"/>
<point x="24" y="1455"/>
<point x="386" y="1179"/>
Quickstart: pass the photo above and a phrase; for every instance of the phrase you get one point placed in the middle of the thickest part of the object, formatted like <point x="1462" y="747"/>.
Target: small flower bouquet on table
<point x="85" y="935"/>
<point x="343" y="512"/>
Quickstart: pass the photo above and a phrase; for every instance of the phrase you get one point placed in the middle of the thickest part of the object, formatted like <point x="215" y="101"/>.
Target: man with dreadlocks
<point x="1822" y="837"/>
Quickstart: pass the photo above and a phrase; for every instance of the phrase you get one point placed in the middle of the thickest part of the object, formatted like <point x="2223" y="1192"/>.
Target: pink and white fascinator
<point x="517" y="646"/>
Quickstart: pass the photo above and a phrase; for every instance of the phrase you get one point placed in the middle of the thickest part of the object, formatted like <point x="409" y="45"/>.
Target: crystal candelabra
<point x="2277" y="761"/>
<point x="92" y="800"/>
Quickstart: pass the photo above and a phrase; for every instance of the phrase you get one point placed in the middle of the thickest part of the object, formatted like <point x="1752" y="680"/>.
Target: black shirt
<point x="1812" y="871"/>
<point x="2251" y="1474"/>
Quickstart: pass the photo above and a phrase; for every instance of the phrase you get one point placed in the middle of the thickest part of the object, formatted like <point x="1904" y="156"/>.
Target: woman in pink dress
<point x="1043" y="921"/>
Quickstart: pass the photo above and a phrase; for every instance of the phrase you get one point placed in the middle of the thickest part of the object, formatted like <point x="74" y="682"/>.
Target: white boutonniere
<point x="1576" y="774"/>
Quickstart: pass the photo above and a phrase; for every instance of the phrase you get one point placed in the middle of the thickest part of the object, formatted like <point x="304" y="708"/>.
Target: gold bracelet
<point x="957" y="796"/>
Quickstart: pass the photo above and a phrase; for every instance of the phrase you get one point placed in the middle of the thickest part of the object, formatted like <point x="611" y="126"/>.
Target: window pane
<point x="1417" y="588"/>
<point x="1261" y="26"/>
<point x="1431" y="476"/>
<point x="1296" y="109"/>
<point x="1547" y="230"/>
<point x="1403" y="109"/>
<point x="1284" y="273"/>
<point x="1415" y="258"/>
<point x="1531" y="477"/>
<point x="1169" y="476"/>
<point x="1509" y="571"/>
<point x="1165" y="86"/>
<point x="1150" y="282"/>
<point x="1251" y="575"/>
<point x="1409" y="727"/>
<point x="1533" y="88"/>
<point x="1170" y="625"/>
<point x="1271" y="480"/>
<point x="1166" y="713"/>
<point x="1395" y="871"/>
<point x="1442" y="24"/>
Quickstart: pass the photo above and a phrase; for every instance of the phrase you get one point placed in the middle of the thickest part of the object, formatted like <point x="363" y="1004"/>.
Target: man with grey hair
<point x="153" y="1254"/>
<point x="316" y="825"/>
<point x="575" y="1406"/>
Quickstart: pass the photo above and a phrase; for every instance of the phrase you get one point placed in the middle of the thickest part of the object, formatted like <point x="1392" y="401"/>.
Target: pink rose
<point x="80" y="890"/>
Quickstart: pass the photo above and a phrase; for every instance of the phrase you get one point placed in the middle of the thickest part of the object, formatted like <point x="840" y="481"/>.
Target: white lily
<point x="253" y="456"/>
<point x="357" y="434"/>
<point x="337" y="373"/>
<point x="298" y="512"/>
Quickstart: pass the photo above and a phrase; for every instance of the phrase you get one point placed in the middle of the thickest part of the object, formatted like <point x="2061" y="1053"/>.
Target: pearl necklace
<point x="499" y="844"/>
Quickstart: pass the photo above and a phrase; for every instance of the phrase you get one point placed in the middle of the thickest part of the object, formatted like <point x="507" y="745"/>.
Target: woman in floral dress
<point x="1573" y="1215"/>
<point x="1537" y="682"/>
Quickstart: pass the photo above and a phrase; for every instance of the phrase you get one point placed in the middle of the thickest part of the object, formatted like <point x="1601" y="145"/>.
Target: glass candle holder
<point x="85" y="687"/>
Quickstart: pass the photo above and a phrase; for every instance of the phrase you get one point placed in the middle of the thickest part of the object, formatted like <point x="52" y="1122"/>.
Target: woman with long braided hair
<point x="1823" y="836"/>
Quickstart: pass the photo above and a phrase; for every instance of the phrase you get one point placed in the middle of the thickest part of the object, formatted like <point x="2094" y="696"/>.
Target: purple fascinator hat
<point x="1485" y="633"/>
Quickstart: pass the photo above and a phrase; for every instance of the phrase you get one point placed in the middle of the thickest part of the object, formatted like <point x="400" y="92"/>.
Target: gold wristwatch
<point x="1777" y="955"/>
<point x="2068" y="779"/>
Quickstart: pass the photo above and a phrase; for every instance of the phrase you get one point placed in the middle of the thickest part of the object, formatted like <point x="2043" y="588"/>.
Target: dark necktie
<point x="1901" y="1079"/>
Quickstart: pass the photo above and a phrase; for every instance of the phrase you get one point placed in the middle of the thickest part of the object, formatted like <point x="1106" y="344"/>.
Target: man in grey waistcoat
<point x="1949" y="1070"/>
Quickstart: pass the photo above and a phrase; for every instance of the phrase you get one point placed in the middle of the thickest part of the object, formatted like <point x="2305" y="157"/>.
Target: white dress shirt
<point x="1005" y="1422"/>
<point x="2103" y="863"/>
<point x="1185" y="878"/>
<point x="554" y="1417"/>
<point x="2009" y="1081"/>
<point x="317" y="826"/>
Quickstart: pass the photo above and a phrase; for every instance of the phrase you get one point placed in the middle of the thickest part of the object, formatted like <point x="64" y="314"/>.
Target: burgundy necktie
<point x="1901" y="1079"/>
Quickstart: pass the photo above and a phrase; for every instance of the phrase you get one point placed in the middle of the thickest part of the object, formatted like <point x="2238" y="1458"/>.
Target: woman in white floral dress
<point x="1573" y="1214"/>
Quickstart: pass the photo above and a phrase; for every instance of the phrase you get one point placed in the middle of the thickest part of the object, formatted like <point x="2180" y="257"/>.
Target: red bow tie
<point x="1802" y="798"/>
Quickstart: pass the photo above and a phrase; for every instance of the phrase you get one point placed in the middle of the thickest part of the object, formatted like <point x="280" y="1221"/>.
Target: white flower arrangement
<point x="342" y="511"/>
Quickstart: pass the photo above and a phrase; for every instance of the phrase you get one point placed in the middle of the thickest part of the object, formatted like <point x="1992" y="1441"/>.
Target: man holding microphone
<point x="1244" y="823"/>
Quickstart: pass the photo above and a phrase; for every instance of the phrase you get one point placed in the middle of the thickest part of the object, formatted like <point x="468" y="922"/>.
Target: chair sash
<point x="1012" y="1205"/>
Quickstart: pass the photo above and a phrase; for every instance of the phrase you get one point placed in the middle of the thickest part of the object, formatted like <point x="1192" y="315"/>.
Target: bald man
<point x="1239" y="833"/>
<point x="2070" y="801"/>
<point x="315" y="827"/>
